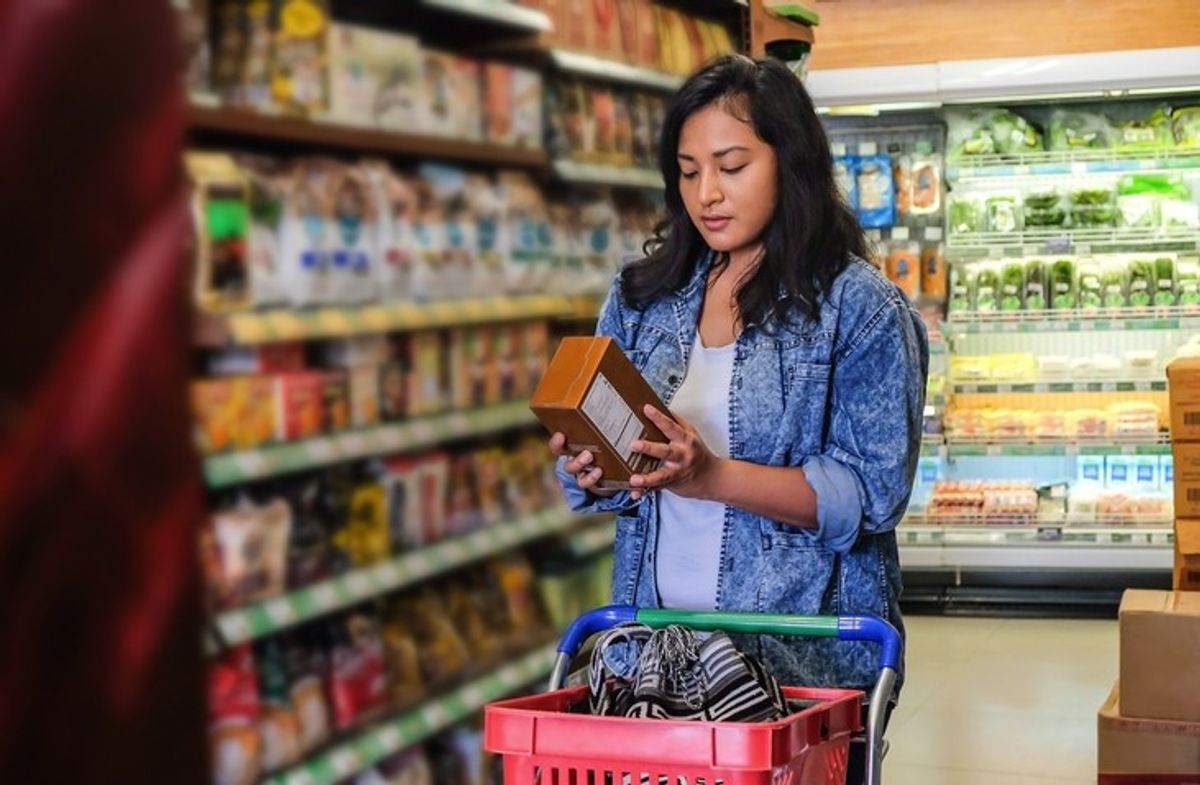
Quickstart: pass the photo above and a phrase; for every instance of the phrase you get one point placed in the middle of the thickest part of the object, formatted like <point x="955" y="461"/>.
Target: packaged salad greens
<point x="962" y="287"/>
<point x="1071" y="130"/>
<point x="1093" y="215"/>
<point x="1142" y="197"/>
<point x="987" y="286"/>
<point x="1185" y="123"/>
<point x="1114" y="280"/>
<point x="1141" y="281"/>
<point x="1043" y="207"/>
<point x="1091" y="195"/>
<point x="1150" y="132"/>
<point x="1090" y="286"/>
<point x="1062" y="283"/>
<point x="965" y="215"/>
<point x="1003" y="213"/>
<point x="1035" y="284"/>
<point x="875" y="190"/>
<point x="1012" y="285"/>
<point x="990" y="131"/>
<point x="1164" y="281"/>
<point x="1188" y="282"/>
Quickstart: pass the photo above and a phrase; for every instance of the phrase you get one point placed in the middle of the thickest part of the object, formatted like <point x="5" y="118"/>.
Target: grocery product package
<point x="356" y="681"/>
<point x="265" y="203"/>
<point x="375" y="78"/>
<point x="453" y="96"/>
<point x="221" y="218"/>
<point x="903" y="266"/>
<point x="395" y="204"/>
<point x="989" y="131"/>
<point x="251" y="542"/>
<point x="233" y="709"/>
<point x="298" y="55"/>
<point x="876" y="197"/>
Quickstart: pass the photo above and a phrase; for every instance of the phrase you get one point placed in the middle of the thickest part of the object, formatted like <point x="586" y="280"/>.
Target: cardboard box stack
<point x="1183" y="377"/>
<point x="1149" y="728"/>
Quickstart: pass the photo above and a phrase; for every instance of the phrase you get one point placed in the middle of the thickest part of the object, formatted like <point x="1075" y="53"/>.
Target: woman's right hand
<point x="578" y="465"/>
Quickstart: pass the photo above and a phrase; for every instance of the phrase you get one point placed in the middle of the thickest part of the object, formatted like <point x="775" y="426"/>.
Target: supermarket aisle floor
<point x="1001" y="701"/>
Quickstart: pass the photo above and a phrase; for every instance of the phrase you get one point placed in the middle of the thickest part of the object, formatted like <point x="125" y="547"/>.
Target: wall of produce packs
<point x="1070" y="236"/>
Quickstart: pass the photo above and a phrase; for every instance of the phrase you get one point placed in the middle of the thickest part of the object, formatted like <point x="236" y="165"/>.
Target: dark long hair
<point x="812" y="233"/>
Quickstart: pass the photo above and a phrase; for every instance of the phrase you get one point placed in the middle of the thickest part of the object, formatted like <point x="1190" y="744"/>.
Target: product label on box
<point x="612" y="417"/>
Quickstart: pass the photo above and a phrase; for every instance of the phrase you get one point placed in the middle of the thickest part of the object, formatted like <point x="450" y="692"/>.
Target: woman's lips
<point x="715" y="223"/>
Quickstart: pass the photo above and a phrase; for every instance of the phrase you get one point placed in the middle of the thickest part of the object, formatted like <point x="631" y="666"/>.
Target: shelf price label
<point x="280" y="611"/>
<point x="345" y="762"/>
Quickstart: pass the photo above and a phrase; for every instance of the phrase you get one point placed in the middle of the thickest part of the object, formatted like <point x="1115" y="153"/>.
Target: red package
<point x="282" y="357"/>
<point x="233" y="717"/>
<point x="357" y="681"/>
<point x="604" y="31"/>
<point x="298" y="399"/>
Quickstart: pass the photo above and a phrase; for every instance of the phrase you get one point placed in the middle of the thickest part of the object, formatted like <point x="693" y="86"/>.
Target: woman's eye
<point x="688" y="175"/>
<point x="734" y="170"/>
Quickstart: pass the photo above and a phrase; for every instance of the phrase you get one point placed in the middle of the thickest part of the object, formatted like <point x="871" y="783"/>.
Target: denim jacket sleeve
<point x="863" y="479"/>
<point x="611" y="323"/>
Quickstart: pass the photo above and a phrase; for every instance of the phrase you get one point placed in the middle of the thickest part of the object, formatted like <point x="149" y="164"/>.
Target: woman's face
<point x="726" y="179"/>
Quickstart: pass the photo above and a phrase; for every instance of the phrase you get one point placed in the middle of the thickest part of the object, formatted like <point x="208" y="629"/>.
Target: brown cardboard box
<point x="1187" y="478"/>
<point x="1183" y="384"/>
<point x="1160" y="655"/>
<point x="1144" y="751"/>
<point x="1187" y="555"/>
<point x="594" y="395"/>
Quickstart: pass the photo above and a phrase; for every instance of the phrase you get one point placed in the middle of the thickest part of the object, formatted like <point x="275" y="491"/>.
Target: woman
<point x="794" y="370"/>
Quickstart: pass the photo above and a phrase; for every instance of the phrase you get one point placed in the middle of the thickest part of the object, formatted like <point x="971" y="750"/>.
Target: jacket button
<point x="672" y="379"/>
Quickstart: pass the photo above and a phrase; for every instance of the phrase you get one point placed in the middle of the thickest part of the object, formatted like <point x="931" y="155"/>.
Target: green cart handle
<point x="846" y="628"/>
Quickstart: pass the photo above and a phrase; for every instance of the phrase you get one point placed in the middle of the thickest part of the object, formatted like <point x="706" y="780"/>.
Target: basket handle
<point x="846" y="628"/>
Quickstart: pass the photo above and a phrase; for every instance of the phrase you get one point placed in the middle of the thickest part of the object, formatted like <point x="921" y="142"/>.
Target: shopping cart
<point x="544" y="743"/>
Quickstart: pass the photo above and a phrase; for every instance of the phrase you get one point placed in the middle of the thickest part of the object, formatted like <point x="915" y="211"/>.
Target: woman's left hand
<point x="688" y="467"/>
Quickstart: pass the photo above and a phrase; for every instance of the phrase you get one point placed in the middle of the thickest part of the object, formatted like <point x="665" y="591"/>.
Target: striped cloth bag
<point x="673" y="673"/>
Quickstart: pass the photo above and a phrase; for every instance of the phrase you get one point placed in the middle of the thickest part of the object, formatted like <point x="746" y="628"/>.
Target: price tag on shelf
<point x="454" y="551"/>
<point x="995" y="449"/>
<point x="996" y="251"/>
<point x="301" y="777"/>
<point x="1143" y="386"/>
<point x="390" y="738"/>
<point x="388" y="574"/>
<point x="1087" y="326"/>
<point x="281" y="612"/>
<point x="322" y="450"/>
<point x="899" y="232"/>
<point x="423" y="432"/>
<point x="1128" y="449"/>
<point x="1008" y="327"/>
<point x="472" y="696"/>
<point x="354" y="444"/>
<point x="252" y="464"/>
<point x="235" y="626"/>
<point x="868" y="148"/>
<point x="324" y="596"/>
<point x="358" y="583"/>
<point x="1108" y="387"/>
<point x="345" y="762"/>
<point x="436" y="715"/>
<point x="1079" y="167"/>
<point x="933" y="234"/>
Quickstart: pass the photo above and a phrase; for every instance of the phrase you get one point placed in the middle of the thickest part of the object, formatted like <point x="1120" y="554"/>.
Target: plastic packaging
<point x="1090" y="287"/>
<point x="1012" y="285"/>
<point x="875" y="191"/>
<point x="1072" y="130"/>
<point x="1062" y="283"/>
<point x="987" y="287"/>
<point x="1185" y="123"/>
<point x="962" y="288"/>
<point x="1004" y="213"/>
<point x="1143" y="281"/>
<point x="926" y="182"/>
<point x="933" y="272"/>
<point x="1164" y="281"/>
<point x="966" y="215"/>
<point x="1036" y="288"/>
<point x="1150" y="132"/>
<point x="1188" y="279"/>
<point x="1114" y="280"/>
<point x="903" y="267"/>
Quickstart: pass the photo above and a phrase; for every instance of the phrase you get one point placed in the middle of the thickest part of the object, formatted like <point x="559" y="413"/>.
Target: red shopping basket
<point x="544" y="743"/>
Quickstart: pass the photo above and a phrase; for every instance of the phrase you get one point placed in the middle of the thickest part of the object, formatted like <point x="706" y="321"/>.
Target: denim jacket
<point x="842" y="397"/>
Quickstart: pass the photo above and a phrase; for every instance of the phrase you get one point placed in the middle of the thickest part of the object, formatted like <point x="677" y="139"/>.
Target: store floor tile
<point x="1000" y="701"/>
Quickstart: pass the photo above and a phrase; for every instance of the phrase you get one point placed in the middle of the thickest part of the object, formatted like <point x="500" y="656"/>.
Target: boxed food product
<point x="236" y="413"/>
<point x="604" y="28"/>
<point x="1134" y="418"/>
<point x="298" y="56"/>
<point x="649" y="51"/>
<point x="1160" y="655"/>
<point x="1183" y="384"/>
<point x="426" y="393"/>
<point x="1119" y="471"/>
<point x="453" y="96"/>
<point x="221" y="216"/>
<point x="1131" y="750"/>
<point x="527" y="101"/>
<point x="575" y="22"/>
<point x="627" y="20"/>
<point x="592" y="394"/>
<point x="1186" y="473"/>
<point x="1090" y="469"/>
<point x="299" y="401"/>
<point x="375" y="77"/>
<point x="363" y="395"/>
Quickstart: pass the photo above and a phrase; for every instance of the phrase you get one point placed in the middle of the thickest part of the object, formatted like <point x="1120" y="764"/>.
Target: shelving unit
<point x="276" y="614"/>
<point x="600" y="174"/>
<point x="1072" y="321"/>
<point x="1059" y="240"/>
<point x="208" y="122"/>
<point x="593" y="67"/>
<point x="504" y="13"/>
<point x="1139" y="385"/>
<point x="1074" y="163"/>
<point x="233" y="468"/>
<point x="382" y="739"/>
<point x="288" y="324"/>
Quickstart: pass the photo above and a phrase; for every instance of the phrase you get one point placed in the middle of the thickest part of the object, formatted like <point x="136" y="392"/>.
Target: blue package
<point x="875" y="191"/>
<point x="843" y="174"/>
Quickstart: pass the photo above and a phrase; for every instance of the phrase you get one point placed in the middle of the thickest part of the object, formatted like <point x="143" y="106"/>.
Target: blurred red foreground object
<point x="100" y="659"/>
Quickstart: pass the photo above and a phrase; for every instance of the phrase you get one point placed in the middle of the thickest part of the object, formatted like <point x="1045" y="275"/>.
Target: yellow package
<point x="402" y="659"/>
<point x="364" y="539"/>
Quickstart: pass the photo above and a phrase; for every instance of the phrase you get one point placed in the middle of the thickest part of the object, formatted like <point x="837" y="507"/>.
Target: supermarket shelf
<point x="600" y="174"/>
<point x="284" y="324"/>
<point x="612" y="70"/>
<point x="593" y="539"/>
<point x="245" y="465"/>
<point x="1140" y="385"/>
<point x="269" y="617"/>
<point x="413" y="727"/>
<point x="314" y="133"/>
<point x="959" y="447"/>
<point x="1059" y="240"/>
<point x="1158" y="535"/>
<point x="498" y="11"/>
<point x="1073" y="321"/>
<point x="585" y="307"/>
<point x="1074" y="162"/>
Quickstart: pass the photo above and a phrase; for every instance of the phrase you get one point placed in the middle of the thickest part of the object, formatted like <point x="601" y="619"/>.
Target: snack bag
<point x="357" y="678"/>
<point x="265" y="200"/>
<point x="444" y="656"/>
<point x="278" y="727"/>
<point x="306" y="236"/>
<point x="221" y="216"/>
<point x="298" y="56"/>
<point x="233" y="710"/>
<point x="305" y="664"/>
<point x="251" y="542"/>
<point x="875" y="191"/>
<point x="487" y="210"/>
<point x="396" y="242"/>
<point x="354" y="237"/>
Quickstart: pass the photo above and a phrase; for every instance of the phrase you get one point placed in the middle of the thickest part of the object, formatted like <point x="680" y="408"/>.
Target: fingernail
<point x="585" y="456"/>
<point x="635" y="480"/>
<point x="597" y="472"/>
<point x="636" y="445"/>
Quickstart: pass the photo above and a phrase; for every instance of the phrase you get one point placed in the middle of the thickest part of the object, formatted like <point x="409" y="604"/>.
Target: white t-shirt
<point x="690" y="530"/>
